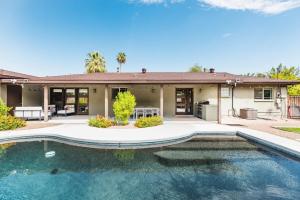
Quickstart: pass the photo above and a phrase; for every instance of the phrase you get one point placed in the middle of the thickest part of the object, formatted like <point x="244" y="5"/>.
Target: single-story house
<point x="173" y="93"/>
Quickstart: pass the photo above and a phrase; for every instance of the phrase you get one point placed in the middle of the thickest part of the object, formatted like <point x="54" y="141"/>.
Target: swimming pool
<point x="205" y="168"/>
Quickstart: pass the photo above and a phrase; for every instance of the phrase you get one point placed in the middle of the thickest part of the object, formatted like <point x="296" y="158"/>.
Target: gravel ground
<point x="37" y="124"/>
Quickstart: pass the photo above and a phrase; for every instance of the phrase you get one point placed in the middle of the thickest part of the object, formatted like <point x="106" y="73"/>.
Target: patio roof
<point x="153" y="78"/>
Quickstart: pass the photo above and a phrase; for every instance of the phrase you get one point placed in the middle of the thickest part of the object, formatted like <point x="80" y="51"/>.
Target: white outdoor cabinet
<point x="210" y="112"/>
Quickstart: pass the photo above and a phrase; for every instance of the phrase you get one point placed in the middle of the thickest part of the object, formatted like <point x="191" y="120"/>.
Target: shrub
<point x="8" y="122"/>
<point x="123" y="107"/>
<point x="3" y="108"/>
<point x="144" y="122"/>
<point x="100" y="122"/>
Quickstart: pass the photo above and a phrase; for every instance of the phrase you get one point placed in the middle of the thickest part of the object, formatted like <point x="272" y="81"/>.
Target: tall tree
<point x="287" y="73"/>
<point x="261" y="75"/>
<point x="121" y="58"/>
<point x="196" y="68"/>
<point x="95" y="63"/>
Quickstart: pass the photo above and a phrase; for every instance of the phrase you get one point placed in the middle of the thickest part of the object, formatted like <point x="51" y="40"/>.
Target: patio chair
<point x="148" y="112"/>
<point x="52" y="109"/>
<point x="139" y="113"/>
<point x="68" y="110"/>
<point x="155" y="112"/>
<point x="30" y="112"/>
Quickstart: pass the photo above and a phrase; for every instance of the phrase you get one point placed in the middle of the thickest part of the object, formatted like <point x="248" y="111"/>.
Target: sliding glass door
<point x="79" y="97"/>
<point x="184" y="101"/>
<point x="83" y="101"/>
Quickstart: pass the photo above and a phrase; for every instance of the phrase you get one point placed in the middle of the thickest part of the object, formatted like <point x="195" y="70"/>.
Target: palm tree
<point x="121" y="58"/>
<point x="95" y="63"/>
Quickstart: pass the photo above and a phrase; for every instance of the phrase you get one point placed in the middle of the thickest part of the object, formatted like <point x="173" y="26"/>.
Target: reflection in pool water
<point x="201" y="169"/>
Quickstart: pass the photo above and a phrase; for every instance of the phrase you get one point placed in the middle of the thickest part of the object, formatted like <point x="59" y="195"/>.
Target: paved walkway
<point x="167" y="134"/>
<point x="266" y="125"/>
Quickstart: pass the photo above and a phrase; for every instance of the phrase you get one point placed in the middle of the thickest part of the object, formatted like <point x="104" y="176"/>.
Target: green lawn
<point x="294" y="130"/>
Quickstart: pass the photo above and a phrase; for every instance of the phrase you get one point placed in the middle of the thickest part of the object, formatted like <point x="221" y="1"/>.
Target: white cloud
<point x="151" y="1"/>
<point x="263" y="6"/>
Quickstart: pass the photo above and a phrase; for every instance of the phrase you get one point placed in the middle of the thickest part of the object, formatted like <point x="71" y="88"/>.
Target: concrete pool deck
<point x="167" y="134"/>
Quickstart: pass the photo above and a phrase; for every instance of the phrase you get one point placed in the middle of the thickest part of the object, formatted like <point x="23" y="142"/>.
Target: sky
<point x="52" y="37"/>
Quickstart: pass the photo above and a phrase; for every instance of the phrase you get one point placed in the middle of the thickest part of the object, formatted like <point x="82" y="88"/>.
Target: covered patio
<point x="171" y="101"/>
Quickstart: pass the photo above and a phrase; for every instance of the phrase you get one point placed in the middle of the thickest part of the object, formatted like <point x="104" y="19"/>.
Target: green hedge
<point x="8" y="122"/>
<point x="144" y="122"/>
<point x="100" y="122"/>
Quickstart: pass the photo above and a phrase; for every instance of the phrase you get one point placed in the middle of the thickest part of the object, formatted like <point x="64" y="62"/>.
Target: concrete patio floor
<point x="83" y="119"/>
<point x="265" y="125"/>
<point x="167" y="134"/>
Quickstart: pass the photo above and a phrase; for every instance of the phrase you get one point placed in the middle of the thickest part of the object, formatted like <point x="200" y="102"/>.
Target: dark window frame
<point x="116" y="90"/>
<point x="264" y="95"/>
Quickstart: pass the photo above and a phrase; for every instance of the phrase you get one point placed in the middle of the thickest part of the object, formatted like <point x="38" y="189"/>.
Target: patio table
<point x="145" y="110"/>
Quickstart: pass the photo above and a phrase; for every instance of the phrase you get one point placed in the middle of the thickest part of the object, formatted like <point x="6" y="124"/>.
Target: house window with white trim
<point x="225" y="92"/>
<point x="263" y="93"/>
<point x="115" y="91"/>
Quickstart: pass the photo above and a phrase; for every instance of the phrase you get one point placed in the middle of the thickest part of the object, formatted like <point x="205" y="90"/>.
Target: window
<point x="70" y="92"/>
<point x="225" y="92"/>
<point x="83" y="101"/>
<point x="70" y="96"/>
<point x="115" y="91"/>
<point x="83" y="92"/>
<point x="263" y="93"/>
<point x="56" y="90"/>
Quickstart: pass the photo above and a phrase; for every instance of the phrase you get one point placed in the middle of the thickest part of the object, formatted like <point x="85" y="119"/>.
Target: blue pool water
<point x="194" y="170"/>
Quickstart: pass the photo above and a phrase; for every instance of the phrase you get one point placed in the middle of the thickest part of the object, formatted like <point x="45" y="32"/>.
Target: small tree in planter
<point x="124" y="107"/>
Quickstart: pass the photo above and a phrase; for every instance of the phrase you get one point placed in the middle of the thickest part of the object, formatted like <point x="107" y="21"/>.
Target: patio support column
<point x="161" y="109"/>
<point x="106" y="101"/>
<point x="46" y="103"/>
<point x="219" y="104"/>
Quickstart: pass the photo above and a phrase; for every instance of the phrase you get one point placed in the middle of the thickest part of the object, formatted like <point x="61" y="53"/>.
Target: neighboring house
<point x="175" y="93"/>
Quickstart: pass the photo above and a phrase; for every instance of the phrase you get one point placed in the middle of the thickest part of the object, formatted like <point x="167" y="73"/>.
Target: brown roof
<point x="5" y="74"/>
<point x="155" y="78"/>
<point x="149" y="77"/>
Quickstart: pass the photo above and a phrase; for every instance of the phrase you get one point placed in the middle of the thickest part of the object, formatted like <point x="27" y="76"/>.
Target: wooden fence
<point x="294" y="106"/>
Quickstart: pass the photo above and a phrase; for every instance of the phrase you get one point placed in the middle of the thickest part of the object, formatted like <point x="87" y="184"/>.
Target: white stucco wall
<point x="244" y="98"/>
<point x="96" y="100"/>
<point x="32" y="95"/>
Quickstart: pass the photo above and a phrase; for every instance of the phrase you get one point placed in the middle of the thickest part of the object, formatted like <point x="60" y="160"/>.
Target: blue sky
<point x="54" y="36"/>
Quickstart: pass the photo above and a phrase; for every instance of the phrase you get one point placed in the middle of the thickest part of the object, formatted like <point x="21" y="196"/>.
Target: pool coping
<point x="146" y="138"/>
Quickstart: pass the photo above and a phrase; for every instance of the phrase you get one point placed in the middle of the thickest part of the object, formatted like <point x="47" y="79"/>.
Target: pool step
<point x="177" y="157"/>
<point x="217" y="138"/>
<point x="214" y="145"/>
